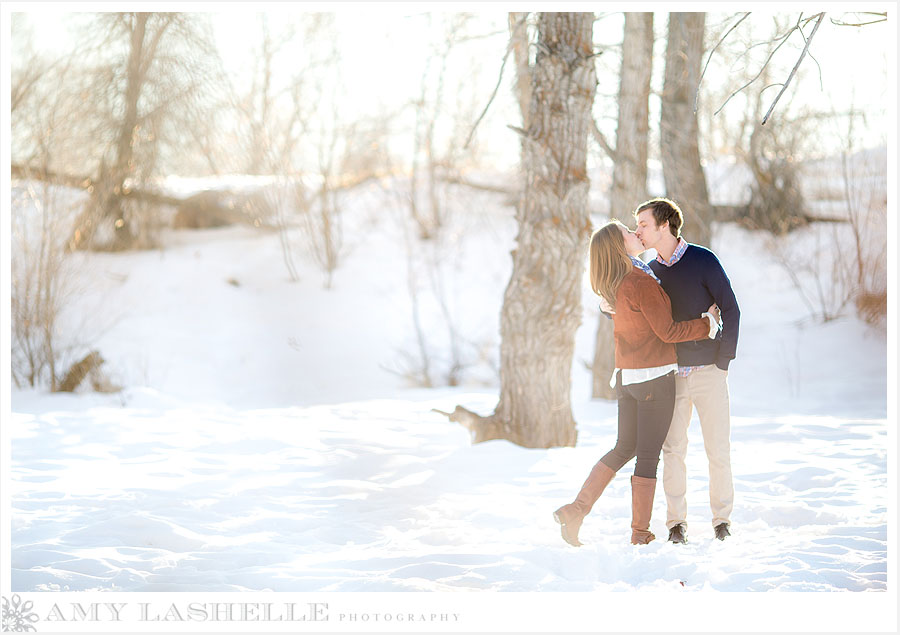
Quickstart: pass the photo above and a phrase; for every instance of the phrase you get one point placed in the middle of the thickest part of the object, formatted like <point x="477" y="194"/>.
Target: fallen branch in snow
<point x="480" y="428"/>
<point x="737" y="213"/>
<point x="80" y="370"/>
<point x="87" y="183"/>
<point x="486" y="187"/>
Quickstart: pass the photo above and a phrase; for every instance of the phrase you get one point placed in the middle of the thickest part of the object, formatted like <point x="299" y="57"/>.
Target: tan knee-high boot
<point x="572" y="515"/>
<point x="642" y="491"/>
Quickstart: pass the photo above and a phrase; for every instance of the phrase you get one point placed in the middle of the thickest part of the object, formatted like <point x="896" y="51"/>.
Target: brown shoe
<point x="572" y="515"/>
<point x="642" y="491"/>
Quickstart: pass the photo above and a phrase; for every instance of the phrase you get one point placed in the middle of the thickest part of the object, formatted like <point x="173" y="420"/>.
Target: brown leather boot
<point x="642" y="491"/>
<point x="572" y="515"/>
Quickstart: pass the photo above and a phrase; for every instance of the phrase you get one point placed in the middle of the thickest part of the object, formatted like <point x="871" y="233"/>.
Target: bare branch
<point x="811" y="18"/>
<point x="883" y="17"/>
<point x="478" y="36"/>
<point x="509" y="49"/>
<point x="601" y="140"/>
<point x="813" y="57"/>
<point x="697" y="92"/>
<point x="794" y="70"/>
<point x="151" y="55"/>
<point x="762" y="68"/>
<point x="774" y="39"/>
<point x="519" y="131"/>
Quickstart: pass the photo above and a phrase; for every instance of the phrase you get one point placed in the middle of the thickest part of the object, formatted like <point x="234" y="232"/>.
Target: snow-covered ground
<point x="266" y="438"/>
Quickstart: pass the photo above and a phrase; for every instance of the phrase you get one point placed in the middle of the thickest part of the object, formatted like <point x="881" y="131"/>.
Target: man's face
<point x="633" y="246"/>
<point x="648" y="231"/>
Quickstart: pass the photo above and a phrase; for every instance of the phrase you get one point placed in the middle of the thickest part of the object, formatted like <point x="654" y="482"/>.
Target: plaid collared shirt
<point x="643" y="266"/>
<point x="680" y="248"/>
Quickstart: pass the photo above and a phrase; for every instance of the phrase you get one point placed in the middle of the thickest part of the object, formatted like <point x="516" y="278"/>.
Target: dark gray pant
<point x="645" y="413"/>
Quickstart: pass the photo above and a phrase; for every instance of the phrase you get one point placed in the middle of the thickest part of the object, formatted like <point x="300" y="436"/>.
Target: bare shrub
<point x="812" y="259"/>
<point x="349" y="154"/>
<point x="842" y="262"/>
<point x="42" y="285"/>
<point x="776" y="201"/>
<point x="865" y="179"/>
<point x="872" y="307"/>
<point x="438" y="352"/>
<point x="324" y="230"/>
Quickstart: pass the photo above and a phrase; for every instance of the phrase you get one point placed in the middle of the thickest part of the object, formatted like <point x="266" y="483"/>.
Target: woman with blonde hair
<point x="644" y="378"/>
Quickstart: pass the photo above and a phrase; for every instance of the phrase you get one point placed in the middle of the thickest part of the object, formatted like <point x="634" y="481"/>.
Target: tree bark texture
<point x="629" y="183"/>
<point x="542" y="303"/>
<point x="629" y="187"/>
<point x="682" y="172"/>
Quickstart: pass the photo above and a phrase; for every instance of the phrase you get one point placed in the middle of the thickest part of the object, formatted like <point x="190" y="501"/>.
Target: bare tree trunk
<point x="683" y="174"/>
<point x="629" y="186"/>
<point x="113" y="183"/>
<point x="542" y="304"/>
<point x="110" y="189"/>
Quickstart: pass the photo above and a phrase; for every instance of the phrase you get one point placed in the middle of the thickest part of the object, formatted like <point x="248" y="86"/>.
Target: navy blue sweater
<point x="693" y="283"/>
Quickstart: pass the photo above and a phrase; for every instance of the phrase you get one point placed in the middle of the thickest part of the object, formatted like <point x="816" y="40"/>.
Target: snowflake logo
<point x="17" y="615"/>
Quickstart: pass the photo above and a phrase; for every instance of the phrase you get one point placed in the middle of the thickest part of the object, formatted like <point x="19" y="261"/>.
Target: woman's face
<point x="633" y="245"/>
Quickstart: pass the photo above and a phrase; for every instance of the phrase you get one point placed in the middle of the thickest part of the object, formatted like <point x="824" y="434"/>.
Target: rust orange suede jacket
<point x="644" y="331"/>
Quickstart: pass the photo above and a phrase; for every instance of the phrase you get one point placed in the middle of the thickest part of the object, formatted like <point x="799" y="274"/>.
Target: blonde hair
<point x="610" y="262"/>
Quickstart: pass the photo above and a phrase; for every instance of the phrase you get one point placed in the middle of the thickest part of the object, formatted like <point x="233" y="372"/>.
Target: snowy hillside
<point x="267" y="439"/>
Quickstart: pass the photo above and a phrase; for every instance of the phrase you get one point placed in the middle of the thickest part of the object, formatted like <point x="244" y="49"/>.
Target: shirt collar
<point x="676" y="255"/>
<point x="643" y="266"/>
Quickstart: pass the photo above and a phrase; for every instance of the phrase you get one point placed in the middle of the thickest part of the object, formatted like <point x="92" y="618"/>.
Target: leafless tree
<point x="542" y="303"/>
<point x="840" y="259"/>
<point x="293" y="127"/>
<point x="679" y="146"/>
<point x="776" y="199"/>
<point x="275" y="111"/>
<point x="629" y="183"/>
<point x="43" y="283"/>
<point x="275" y="115"/>
<point x="136" y="70"/>
<point x="855" y="19"/>
<point x="441" y="122"/>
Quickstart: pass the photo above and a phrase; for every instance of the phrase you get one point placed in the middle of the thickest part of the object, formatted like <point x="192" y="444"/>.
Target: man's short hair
<point x="664" y="209"/>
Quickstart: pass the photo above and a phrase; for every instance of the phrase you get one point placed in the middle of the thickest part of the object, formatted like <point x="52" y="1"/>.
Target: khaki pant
<point x="707" y="389"/>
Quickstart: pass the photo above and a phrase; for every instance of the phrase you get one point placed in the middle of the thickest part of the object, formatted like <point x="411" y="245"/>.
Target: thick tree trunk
<point x="629" y="185"/>
<point x="682" y="172"/>
<point x="542" y="304"/>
